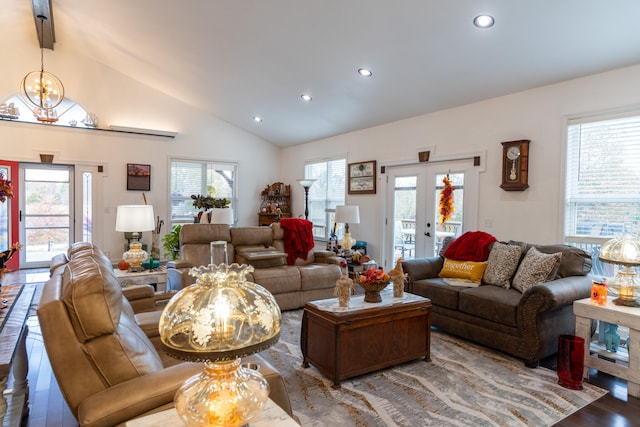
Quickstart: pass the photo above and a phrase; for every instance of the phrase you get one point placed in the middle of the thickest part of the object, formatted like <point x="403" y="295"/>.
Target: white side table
<point x="271" y="416"/>
<point x="156" y="278"/>
<point x="624" y="365"/>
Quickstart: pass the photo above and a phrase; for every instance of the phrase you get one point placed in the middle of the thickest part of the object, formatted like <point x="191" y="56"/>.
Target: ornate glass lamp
<point x="347" y="215"/>
<point x="217" y="320"/>
<point x="624" y="251"/>
<point x="135" y="219"/>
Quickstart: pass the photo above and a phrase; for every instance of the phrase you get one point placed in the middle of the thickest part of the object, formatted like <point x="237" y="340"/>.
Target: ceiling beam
<point x="44" y="8"/>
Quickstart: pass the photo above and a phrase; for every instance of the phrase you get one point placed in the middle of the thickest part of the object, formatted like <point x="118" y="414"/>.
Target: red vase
<point x="570" y="361"/>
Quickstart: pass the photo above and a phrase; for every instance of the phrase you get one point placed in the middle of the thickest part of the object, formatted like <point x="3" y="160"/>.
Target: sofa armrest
<point x="558" y="293"/>
<point x="328" y="257"/>
<point x="140" y="297"/>
<point x="135" y="397"/>
<point x="423" y="268"/>
<point x="179" y="264"/>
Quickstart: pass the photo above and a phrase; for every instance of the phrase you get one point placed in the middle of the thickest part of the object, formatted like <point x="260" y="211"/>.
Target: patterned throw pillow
<point x="535" y="268"/>
<point x="502" y="264"/>
<point x="467" y="270"/>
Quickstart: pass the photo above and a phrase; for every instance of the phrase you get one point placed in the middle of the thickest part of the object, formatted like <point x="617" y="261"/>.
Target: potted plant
<point x="171" y="242"/>
<point x="204" y="203"/>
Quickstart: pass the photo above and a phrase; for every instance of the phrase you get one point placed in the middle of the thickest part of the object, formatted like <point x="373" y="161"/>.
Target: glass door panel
<point x="46" y="212"/>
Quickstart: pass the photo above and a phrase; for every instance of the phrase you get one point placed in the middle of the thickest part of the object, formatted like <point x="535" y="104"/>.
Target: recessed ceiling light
<point x="306" y="97"/>
<point x="364" y="72"/>
<point x="257" y="119"/>
<point x="484" y="21"/>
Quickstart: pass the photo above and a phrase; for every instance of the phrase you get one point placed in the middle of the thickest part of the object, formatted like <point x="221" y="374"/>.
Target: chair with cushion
<point x="105" y="357"/>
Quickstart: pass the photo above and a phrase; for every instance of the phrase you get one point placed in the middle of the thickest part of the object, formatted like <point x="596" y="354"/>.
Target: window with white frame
<point x="602" y="197"/>
<point x="194" y="177"/>
<point x="327" y="192"/>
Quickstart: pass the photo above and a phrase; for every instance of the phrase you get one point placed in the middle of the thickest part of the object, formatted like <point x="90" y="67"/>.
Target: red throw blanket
<point x="298" y="238"/>
<point x="471" y="246"/>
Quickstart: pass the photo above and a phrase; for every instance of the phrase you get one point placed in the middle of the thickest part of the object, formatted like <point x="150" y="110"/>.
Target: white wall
<point x="119" y="100"/>
<point x="539" y="115"/>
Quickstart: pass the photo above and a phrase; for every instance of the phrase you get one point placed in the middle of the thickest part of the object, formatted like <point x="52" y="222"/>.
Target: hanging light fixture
<point x="42" y="89"/>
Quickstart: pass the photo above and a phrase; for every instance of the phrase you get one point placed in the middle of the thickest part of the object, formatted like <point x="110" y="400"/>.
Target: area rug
<point x="463" y="385"/>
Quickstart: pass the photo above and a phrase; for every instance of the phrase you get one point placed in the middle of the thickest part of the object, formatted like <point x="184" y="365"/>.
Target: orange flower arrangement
<point x="6" y="190"/>
<point x="374" y="276"/>
<point x="446" y="200"/>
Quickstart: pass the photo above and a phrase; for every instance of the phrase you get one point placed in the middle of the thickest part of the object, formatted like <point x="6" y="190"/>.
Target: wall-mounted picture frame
<point x="362" y="178"/>
<point x="138" y="177"/>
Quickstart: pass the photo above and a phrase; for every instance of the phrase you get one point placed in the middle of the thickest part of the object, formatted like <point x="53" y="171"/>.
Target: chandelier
<point x="42" y="89"/>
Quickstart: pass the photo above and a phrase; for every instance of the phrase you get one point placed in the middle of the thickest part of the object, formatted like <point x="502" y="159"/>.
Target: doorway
<point x="46" y="212"/>
<point x="414" y="228"/>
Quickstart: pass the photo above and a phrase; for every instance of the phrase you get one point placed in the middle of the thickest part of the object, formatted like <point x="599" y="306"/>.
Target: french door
<point x="414" y="228"/>
<point x="46" y="212"/>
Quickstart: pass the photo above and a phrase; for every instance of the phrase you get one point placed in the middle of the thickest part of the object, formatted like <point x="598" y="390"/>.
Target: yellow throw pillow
<point x="468" y="270"/>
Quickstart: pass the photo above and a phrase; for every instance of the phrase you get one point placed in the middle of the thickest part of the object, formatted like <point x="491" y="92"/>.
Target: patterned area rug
<point x="463" y="385"/>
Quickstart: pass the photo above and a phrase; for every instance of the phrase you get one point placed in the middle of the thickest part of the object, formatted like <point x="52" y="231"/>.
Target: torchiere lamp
<point x="625" y="251"/>
<point x="348" y="215"/>
<point x="217" y="320"/>
<point x="306" y="183"/>
<point x="135" y="219"/>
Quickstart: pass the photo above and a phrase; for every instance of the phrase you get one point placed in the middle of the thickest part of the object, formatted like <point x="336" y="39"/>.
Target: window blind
<point x="326" y="193"/>
<point x="602" y="177"/>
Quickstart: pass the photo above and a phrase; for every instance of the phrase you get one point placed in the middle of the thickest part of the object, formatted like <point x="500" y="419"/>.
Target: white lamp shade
<point x="221" y="216"/>
<point x="348" y="214"/>
<point x="306" y="183"/>
<point x="132" y="218"/>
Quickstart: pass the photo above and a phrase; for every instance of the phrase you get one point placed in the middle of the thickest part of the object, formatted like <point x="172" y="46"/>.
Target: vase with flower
<point x="373" y="281"/>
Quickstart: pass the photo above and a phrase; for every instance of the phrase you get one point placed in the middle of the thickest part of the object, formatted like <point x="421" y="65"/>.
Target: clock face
<point x="513" y="153"/>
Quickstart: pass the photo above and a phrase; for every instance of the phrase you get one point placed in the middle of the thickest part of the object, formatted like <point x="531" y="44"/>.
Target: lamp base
<point x="626" y="302"/>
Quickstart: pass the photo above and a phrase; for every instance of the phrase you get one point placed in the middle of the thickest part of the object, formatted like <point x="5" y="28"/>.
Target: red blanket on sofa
<point x="471" y="246"/>
<point x="298" y="238"/>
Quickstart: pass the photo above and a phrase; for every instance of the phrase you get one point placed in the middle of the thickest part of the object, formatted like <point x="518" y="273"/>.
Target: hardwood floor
<point x="48" y="408"/>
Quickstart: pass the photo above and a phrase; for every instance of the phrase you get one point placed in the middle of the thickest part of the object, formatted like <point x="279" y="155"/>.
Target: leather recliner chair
<point x="104" y="356"/>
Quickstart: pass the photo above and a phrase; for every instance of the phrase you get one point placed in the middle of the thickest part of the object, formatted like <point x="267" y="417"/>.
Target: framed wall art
<point x="138" y="177"/>
<point x="362" y="177"/>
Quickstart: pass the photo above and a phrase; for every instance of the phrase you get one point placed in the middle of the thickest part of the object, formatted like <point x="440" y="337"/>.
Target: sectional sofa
<point x="263" y="247"/>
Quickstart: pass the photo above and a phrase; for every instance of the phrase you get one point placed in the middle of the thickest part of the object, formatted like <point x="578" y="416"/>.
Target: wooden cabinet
<point x="276" y="203"/>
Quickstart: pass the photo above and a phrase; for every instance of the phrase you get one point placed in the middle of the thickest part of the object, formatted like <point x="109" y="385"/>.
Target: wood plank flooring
<point x="48" y="408"/>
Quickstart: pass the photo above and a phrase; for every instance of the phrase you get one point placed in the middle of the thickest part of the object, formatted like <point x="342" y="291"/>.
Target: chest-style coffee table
<point x="365" y="337"/>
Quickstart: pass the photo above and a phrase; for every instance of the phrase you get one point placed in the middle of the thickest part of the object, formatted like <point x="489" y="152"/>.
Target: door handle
<point x="20" y="216"/>
<point x="426" y="233"/>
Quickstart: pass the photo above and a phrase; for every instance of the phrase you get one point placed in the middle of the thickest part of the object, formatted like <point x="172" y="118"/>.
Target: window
<point x="325" y="194"/>
<point x="193" y="177"/>
<point x="603" y="170"/>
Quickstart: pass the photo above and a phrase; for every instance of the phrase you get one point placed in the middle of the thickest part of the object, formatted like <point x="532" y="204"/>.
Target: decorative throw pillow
<point x="469" y="270"/>
<point x="502" y="264"/>
<point x="535" y="268"/>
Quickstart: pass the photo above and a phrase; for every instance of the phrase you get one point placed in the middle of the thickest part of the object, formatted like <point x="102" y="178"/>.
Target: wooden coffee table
<point x="365" y="337"/>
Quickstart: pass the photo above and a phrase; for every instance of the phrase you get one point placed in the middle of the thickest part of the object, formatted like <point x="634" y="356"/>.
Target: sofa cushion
<point x="278" y="280"/>
<point x="492" y="303"/>
<point x="438" y="292"/>
<point x="574" y="261"/>
<point x="318" y="276"/>
<point x="251" y="236"/>
<point x="263" y="259"/>
<point x="466" y="270"/>
<point x="502" y="264"/>
<point x="536" y="267"/>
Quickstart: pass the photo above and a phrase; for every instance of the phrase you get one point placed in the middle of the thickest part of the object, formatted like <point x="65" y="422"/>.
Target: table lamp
<point x="347" y="215"/>
<point x="217" y="320"/>
<point x="306" y="184"/>
<point x="625" y="251"/>
<point x="135" y="219"/>
<point x="221" y="216"/>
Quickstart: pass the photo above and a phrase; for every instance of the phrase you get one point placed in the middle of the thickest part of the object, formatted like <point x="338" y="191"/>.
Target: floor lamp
<point x="306" y="183"/>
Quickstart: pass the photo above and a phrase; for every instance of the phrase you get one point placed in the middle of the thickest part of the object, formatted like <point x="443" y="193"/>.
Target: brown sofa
<point x="524" y="324"/>
<point x="263" y="248"/>
<point x="106" y="357"/>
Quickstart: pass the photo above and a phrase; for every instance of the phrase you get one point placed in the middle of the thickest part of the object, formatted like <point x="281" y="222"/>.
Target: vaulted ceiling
<point x="239" y="59"/>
